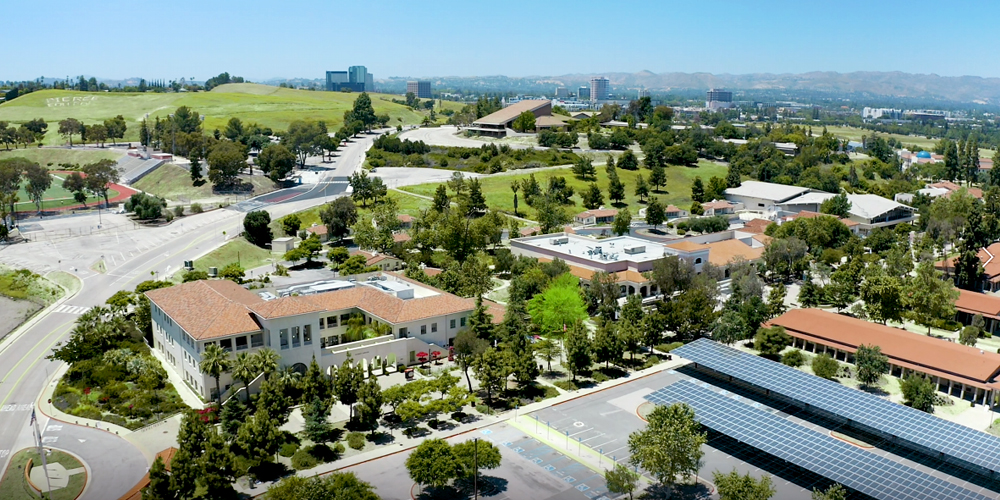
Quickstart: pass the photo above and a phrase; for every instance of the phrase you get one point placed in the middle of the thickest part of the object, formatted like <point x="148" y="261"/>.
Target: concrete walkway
<point x="185" y="391"/>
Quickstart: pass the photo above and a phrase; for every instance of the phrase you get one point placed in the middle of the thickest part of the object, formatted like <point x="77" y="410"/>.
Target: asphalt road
<point x="130" y="257"/>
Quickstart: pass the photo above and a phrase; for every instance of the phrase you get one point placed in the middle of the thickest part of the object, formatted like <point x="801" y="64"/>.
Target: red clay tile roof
<point x="136" y="492"/>
<point x="989" y="256"/>
<point x="978" y="303"/>
<point x="756" y="226"/>
<point x="496" y="310"/>
<point x="586" y="274"/>
<point x="404" y="218"/>
<point x="208" y="308"/>
<point x="717" y="205"/>
<point x="432" y="271"/>
<point x="400" y="237"/>
<point x="672" y="209"/>
<point x="318" y="229"/>
<point x="372" y="258"/>
<point x="911" y="350"/>
<point x="686" y="246"/>
<point x="723" y="252"/>
<point x="609" y="212"/>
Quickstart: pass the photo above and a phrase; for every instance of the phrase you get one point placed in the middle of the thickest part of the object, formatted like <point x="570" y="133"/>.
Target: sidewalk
<point x="44" y="405"/>
<point x="401" y="443"/>
<point x="185" y="391"/>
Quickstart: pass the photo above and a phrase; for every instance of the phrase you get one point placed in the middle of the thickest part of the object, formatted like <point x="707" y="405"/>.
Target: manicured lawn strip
<point x="405" y="203"/>
<point x="54" y="157"/>
<point x="247" y="254"/>
<point x="174" y="183"/>
<point x="677" y="191"/>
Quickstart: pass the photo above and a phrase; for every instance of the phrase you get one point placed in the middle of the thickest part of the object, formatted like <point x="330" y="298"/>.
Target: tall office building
<point x="562" y="92"/>
<point x="355" y="79"/>
<point x="718" y="99"/>
<point x="583" y="93"/>
<point x="643" y="93"/>
<point x="421" y="89"/>
<point x="599" y="89"/>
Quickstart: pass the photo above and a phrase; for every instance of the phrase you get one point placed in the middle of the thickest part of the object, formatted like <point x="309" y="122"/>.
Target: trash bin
<point x="409" y="374"/>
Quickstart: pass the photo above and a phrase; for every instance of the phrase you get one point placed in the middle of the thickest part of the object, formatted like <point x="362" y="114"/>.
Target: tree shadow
<point x="199" y="183"/>
<point x="315" y="264"/>
<point x="442" y="493"/>
<point x="269" y="471"/>
<point x="613" y="372"/>
<point x="381" y="438"/>
<point x="488" y="485"/>
<point x="553" y="374"/>
<point x="873" y="389"/>
<point x="677" y="492"/>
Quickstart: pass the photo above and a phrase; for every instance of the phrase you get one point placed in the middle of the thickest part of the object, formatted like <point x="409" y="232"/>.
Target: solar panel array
<point x="866" y="472"/>
<point x="889" y="418"/>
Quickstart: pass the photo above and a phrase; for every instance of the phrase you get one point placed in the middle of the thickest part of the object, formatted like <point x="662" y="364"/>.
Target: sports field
<point x="53" y="157"/>
<point x="55" y="197"/>
<point x="854" y="134"/>
<point x="269" y="106"/>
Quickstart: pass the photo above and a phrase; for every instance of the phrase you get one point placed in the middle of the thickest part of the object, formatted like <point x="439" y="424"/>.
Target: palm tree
<point x="515" y="186"/>
<point x="245" y="370"/>
<point x="266" y="360"/>
<point x="215" y="361"/>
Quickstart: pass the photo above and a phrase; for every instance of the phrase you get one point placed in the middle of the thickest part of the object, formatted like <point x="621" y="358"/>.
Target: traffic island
<point x="25" y="477"/>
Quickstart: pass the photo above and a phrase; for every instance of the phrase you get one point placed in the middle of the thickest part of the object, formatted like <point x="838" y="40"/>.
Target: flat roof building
<point x="719" y="99"/>
<point x="599" y="88"/>
<point x="420" y="88"/>
<point x="355" y="79"/>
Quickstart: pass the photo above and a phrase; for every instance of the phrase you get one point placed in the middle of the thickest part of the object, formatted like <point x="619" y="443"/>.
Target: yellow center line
<point x="60" y="330"/>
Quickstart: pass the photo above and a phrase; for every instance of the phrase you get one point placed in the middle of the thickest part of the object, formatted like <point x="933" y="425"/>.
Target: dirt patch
<point x="15" y="312"/>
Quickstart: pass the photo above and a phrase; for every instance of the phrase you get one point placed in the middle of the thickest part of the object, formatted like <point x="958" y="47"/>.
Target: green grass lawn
<point x="53" y="157"/>
<point x="405" y="203"/>
<point x="239" y="250"/>
<point x="56" y="196"/>
<point x="855" y="134"/>
<point x="15" y="487"/>
<point x="174" y="183"/>
<point x="22" y="284"/>
<point x="677" y="191"/>
<point x="269" y="106"/>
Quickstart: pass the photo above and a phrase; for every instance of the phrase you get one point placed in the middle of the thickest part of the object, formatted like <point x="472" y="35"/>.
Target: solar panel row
<point x="866" y="472"/>
<point x="889" y="418"/>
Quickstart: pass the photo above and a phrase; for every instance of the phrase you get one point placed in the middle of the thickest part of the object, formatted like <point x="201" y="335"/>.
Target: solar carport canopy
<point x="884" y="416"/>
<point x="863" y="471"/>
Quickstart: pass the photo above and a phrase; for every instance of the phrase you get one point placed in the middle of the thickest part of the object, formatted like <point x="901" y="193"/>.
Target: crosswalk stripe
<point x="68" y="309"/>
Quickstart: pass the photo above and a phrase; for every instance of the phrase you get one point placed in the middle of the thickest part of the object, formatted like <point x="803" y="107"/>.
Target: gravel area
<point x="14" y="313"/>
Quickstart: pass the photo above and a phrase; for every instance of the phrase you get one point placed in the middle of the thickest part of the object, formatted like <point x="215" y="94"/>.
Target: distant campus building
<point x="496" y="124"/>
<point x="355" y="79"/>
<point x="307" y="322"/>
<point x="719" y="99"/>
<point x="599" y="89"/>
<point x="420" y="88"/>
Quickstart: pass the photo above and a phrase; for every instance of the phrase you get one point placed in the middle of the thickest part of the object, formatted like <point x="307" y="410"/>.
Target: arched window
<point x="698" y="260"/>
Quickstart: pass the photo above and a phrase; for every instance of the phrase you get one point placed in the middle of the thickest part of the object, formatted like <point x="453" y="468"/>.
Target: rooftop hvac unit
<point x="213" y="272"/>
<point x="634" y="249"/>
<point x="562" y="240"/>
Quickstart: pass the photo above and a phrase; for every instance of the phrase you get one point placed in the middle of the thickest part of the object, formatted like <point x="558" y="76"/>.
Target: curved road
<point x="131" y="257"/>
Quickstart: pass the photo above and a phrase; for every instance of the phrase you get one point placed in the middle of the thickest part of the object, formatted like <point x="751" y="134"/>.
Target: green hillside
<point x="269" y="106"/>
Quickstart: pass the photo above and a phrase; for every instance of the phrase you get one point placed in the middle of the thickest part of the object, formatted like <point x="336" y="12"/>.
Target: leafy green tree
<point x="234" y="130"/>
<point x="215" y="362"/>
<point x="918" y="392"/>
<point x="39" y="181"/>
<point x="592" y="197"/>
<point x="734" y="486"/>
<point x="655" y="212"/>
<point x="317" y="428"/>
<point x="616" y="188"/>
<point x="968" y="336"/>
<point x="338" y="216"/>
<point x="670" y="445"/>
<point x="68" y="128"/>
<point x="474" y="451"/>
<point x="255" y="227"/>
<point x="837" y="206"/>
<point x="185" y="468"/>
<point x="698" y="191"/>
<point x="628" y="161"/>
<point x="370" y="401"/>
<point x="657" y="177"/>
<point x="434" y="463"/>
<point x="641" y="188"/>
<point x="335" y="486"/>
<point x="578" y="349"/>
<point x="232" y="416"/>
<point x="883" y="297"/>
<point x="276" y="160"/>
<point x="929" y="296"/>
<point x="233" y="272"/>
<point x="793" y="358"/>
<point x="76" y="184"/>
<point x="870" y="363"/>
<point x="245" y="371"/>
<point x="776" y="301"/>
<point x="607" y="345"/>
<point x="217" y="470"/>
<point x="315" y="384"/>
<point x="551" y="215"/>
<point x="622" y="223"/>
<point x="621" y="480"/>
<point x="307" y="249"/>
<point x="730" y="328"/>
<point x="834" y="492"/>
<point x="771" y="341"/>
<point x="290" y="224"/>
<point x="825" y="366"/>
<point x="476" y="202"/>
<point x="525" y="122"/>
<point x="491" y="371"/>
<point x="559" y="306"/>
<point x="347" y="383"/>
<point x="362" y="112"/>
<point x="258" y="438"/>
<point x="584" y="168"/>
<point x="225" y="161"/>
<point x="548" y="351"/>
<point x="266" y="360"/>
<point x="305" y="138"/>
<point x="273" y="399"/>
<point x="159" y="482"/>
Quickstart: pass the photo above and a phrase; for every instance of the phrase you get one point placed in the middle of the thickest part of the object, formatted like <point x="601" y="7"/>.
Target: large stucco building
<point x="309" y="323"/>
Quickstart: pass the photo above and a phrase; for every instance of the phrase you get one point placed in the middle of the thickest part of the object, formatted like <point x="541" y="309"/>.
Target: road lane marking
<point x="17" y="407"/>
<point x="4" y="453"/>
<point x="58" y="332"/>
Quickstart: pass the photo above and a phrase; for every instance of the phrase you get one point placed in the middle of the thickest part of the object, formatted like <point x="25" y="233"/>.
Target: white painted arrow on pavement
<point x="82" y="440"/>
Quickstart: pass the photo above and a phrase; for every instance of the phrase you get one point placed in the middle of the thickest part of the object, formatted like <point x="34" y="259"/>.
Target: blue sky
<point x="304" y="38"/>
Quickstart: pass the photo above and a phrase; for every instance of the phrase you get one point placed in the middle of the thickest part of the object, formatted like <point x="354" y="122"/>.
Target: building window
<point x="226" y="344"/>
<point x="283" y="338"/>
<point x="307" y="335"/>
<point x="295" y="336"/>
<point x="257" y="340"/>
<point x="403" y="332"/>
<point x="344" y="318"/>
<point x="434" y="327"/>
<point x="463" y="321"/>
<point x="331" y="321"/>
<point x="453" y="323"/>
<point x="332" y="341"/>
<point x="423" y="329"/>
<point x="322" y="323"/>
<point x="241" y="343"/>
<point x="698" y="260"/>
